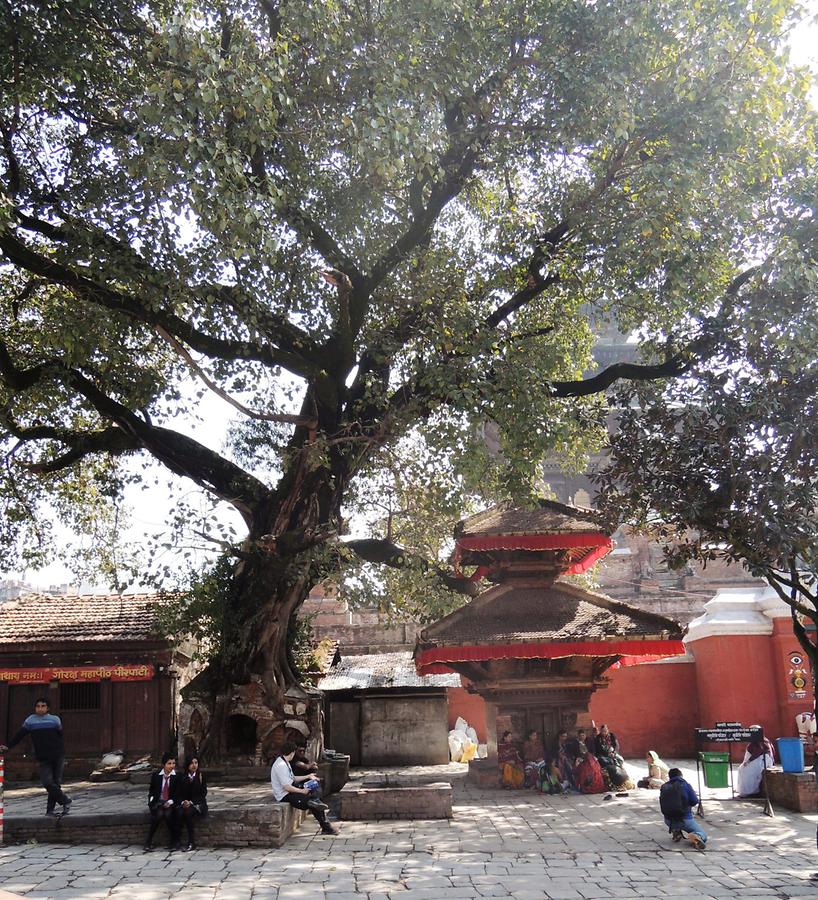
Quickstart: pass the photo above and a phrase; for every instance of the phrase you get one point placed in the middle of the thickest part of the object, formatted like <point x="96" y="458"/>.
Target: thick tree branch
<point x="388" y="554"/>
<point x="181" y="454"/>
<point x="253" y="414"/>
<point x="83" y="287"/>
<point x="111" y="441"/>
<point x="82" y="238"/>
<point x="671" y="368"/>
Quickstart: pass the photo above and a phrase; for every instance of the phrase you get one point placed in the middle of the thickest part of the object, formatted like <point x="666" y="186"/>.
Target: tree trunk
<point x="282" y="559"/>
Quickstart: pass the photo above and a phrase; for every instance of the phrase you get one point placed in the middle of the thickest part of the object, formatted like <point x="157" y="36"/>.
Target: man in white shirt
<point x="301" y="791"/>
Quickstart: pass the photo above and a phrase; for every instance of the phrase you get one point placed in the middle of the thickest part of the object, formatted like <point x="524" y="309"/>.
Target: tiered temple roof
<point x="528" y="614"/>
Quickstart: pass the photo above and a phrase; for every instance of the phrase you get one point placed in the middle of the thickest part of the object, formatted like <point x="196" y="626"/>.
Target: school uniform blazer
<point x="195" y="790"/>
<point x="155" y="790"/>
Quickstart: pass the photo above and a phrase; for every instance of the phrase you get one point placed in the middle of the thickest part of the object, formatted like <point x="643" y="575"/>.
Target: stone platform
<point x="395" y="797"/>
<point x="793" y="790"/>
<point x="116" y="813"/>
<point x="263" y="825"/>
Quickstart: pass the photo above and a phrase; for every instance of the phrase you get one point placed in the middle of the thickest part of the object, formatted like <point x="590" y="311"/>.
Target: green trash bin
<point x="715" y="769"/>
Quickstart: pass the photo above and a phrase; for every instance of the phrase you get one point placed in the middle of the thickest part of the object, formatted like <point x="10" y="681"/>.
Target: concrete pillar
<point x="736" y="671"/>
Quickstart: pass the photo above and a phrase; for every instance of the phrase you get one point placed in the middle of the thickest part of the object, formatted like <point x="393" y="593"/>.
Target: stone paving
<point x="500" y="844"/>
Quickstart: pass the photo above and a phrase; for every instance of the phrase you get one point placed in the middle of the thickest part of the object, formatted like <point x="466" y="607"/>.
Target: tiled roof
<point x="381" y="670"/>
<point x="549" y="517"/>
<point x="36" y="618"/>
<point x="509" y="614"/>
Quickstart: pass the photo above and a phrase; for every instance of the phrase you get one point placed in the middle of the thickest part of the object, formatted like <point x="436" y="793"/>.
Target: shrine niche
<point x="535" y="647"/>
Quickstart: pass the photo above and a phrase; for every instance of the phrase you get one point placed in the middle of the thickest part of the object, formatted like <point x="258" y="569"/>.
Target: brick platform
<point x="484" y="773"/>
<point x="793" y="790"/>
<point x="262" y="825"/>
<point x="379" y="797"/>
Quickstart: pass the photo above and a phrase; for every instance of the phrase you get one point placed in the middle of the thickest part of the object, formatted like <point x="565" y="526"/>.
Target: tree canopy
<point x="361" y="223"/>
<point x="723" y="462"/>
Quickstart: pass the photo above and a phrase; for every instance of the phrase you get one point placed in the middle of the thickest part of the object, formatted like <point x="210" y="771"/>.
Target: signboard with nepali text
<point x="726" y="732"/>
<point x="140" y="672"/>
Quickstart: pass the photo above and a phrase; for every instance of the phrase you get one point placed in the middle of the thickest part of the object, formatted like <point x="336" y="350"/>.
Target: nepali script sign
<point x="140" y="672"/>
<point x="725" y="732"/>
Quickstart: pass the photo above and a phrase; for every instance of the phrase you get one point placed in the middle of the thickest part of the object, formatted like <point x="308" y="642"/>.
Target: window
<point x="79" y="696"/>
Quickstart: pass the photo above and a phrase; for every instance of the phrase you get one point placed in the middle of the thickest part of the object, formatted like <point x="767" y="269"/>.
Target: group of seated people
<point x="178" y="798"/>
<point x="175" y="798"/>
<point x="588" y="763"/>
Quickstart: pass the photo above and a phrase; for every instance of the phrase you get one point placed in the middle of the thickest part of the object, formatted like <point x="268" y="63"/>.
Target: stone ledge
<point x="793" y="790"/>
<point x="261" y="825"/>
<point x="389" y="799"/>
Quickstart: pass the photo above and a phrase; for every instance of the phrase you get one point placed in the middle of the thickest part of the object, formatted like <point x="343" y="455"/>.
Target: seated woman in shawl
<point x="759" y="754"/>
<point x="582" y="740"/>
<point x="564" y="761"/>
<point x="588" y="775"/>
<point x="657" y="772"/>
<point x="607" y="744"/>
<point x="534" y="760"/>
<point x="512" y="770"/>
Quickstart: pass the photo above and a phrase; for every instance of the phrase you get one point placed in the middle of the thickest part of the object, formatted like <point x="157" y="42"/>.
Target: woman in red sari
<point x="588" y="775"/>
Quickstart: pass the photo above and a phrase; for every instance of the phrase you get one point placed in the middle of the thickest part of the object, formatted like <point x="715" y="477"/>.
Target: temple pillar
<point x="491" y="730"/>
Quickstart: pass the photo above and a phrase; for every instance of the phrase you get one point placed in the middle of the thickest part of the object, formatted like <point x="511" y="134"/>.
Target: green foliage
<point x="301" y="643"/>
<point x="724" y="462"/>
<point x="488" y="181"/>
<point x="200" y="611"/>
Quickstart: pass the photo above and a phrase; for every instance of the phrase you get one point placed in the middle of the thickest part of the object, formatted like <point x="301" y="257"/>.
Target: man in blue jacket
<point x="46" y="735"/>
<point x="676" y="800"/>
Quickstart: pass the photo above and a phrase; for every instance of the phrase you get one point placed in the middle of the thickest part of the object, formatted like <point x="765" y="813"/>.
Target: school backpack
<point x="673" y="799"/>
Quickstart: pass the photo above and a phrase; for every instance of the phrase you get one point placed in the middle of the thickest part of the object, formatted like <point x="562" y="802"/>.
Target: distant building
<point x="104" y="667"/>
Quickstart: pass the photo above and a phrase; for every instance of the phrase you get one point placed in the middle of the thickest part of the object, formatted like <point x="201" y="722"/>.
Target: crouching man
<point x="301" y="791"/>
<point x="677" y="800"/>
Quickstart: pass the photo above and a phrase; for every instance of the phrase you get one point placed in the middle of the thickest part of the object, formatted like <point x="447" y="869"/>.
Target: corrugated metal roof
<point x="381" y="670"/>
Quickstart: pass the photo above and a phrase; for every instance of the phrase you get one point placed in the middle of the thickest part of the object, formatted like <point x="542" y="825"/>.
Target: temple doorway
<point x="545" y="720"/>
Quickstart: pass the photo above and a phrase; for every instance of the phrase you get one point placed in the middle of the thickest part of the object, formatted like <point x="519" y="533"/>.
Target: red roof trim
<point x="534" y="541"/>
<point x="433" y="661"/>
<point x="598" y="545"/>
<point x="589" y="559"/>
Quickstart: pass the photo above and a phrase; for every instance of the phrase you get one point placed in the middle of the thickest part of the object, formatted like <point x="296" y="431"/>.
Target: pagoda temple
<point x="535" y="648"/>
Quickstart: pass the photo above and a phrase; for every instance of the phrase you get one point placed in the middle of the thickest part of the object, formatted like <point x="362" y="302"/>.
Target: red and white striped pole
<point x="1" y="796"/>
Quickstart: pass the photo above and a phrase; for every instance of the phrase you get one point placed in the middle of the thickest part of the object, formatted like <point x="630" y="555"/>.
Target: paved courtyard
<point x="500" y="844"/>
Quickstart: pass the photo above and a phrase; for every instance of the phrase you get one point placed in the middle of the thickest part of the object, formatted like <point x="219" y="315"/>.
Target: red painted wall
<point x="792" y="698"/>
<point x="736" y="682"/>
<point x="470" y="706"/>
<point x="650" y="707"/>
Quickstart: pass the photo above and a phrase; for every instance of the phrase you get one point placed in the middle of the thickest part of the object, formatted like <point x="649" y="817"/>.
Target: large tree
<point x="358" y="222"/>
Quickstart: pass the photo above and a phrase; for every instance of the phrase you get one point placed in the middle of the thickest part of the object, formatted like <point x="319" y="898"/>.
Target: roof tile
<point x="38" y="618"/>
<point x="562" y="612"/>
<point x="548" y="517"/>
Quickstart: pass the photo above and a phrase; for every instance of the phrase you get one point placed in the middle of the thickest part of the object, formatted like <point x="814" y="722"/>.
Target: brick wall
<point x="262" y="825"/>
<point x="793" y="790"/>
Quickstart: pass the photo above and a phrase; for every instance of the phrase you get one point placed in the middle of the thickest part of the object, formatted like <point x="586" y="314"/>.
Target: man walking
<point x="45" y="730"/>
<point x="676" y="800"/>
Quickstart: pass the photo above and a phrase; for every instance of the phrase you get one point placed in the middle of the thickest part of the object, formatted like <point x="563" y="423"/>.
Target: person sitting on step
<point x="193" y="797"/>
<point x="301" y="791"/>
<point x="163" y="793"/>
